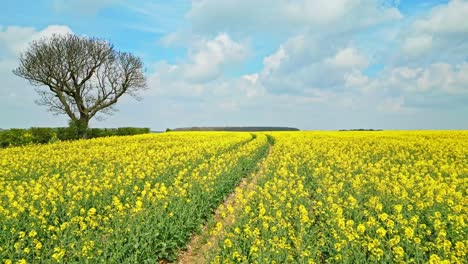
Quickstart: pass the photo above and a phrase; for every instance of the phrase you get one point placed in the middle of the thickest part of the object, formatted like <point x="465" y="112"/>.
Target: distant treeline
<point x="236" y="129"/>
<point x="361" y="129"/>
<point x="41" y="135"/>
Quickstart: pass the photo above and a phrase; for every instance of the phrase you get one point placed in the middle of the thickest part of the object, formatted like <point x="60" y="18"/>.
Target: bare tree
<point x="80" y="76"/>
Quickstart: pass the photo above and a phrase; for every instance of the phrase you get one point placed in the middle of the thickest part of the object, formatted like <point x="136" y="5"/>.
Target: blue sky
<point x="390" y="64"/>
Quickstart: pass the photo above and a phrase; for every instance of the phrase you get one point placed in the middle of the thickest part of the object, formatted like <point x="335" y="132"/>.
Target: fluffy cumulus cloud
<point x="207" y="58"/>
<point x="305" y="64"/>
<point x="417" y="45"/>
<point x="438" y="78"/>
<point x="348" y="58"/>
<point x="440" y="35"/>
<point x="450" y="18"/>
<point x="439" y="85"/>
<point x="206" y="61"/>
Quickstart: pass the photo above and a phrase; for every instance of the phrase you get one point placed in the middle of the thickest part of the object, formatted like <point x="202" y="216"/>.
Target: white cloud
<point x="307" y="62"/>
<point x="417" y="45"/>
<point x="51" y="30"/>
<point x="206" y="61"/>
<point x="202" y="71"/>
<point x="16" y="39"/>
<point x="407" y="89"/>
<point x="250" y="86"/>
<point x="273" y="62"/>
<point x="439" y="77"/>
<point x="450" y="18"/>
<point x="440" y="35"/>
<point x="356" y="79"/>
<point x="447" y="78"/>
<point x="252" y="78"/>
<point x="168" y="79"/>
<point x="405" y="73"/>
<point x="207" y="58"/>
<point x="348" y="58"/>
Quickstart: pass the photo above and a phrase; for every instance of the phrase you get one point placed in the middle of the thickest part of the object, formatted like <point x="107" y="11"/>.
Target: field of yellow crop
<point x="319" y="197"/>
<point x="117" y="199"/>
<point x="348" y="197"/>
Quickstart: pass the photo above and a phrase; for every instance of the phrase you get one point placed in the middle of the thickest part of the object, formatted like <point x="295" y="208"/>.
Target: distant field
<point x="305" y="197"/>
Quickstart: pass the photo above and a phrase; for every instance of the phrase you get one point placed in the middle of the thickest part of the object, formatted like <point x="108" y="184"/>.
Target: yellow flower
<point x="92" y="211"/>
<point x="361" y="228"/>
<point x="236" y="256"/>
<point x="58" y="253"/>
<point x="32" y="233"/>
<point x="398" y="208"/>
<point x="139" y="204"/>
<point x="227" y="243"/>
<point x="381" y="232"/>
<point x="417" y="240"/>
<point x="399" y="252"/>
<point x="409" y="233"/>
<point x="390" y="224"/>
<point x="434" y="259"/>
<point x="460" y="249"/>
<point x="383" y="216"/>
<point x="38" y="246"/>
<point x="395" y="240"/>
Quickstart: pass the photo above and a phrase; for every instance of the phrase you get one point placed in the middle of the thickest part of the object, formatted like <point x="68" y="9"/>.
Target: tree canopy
<point x="80" y="76"/>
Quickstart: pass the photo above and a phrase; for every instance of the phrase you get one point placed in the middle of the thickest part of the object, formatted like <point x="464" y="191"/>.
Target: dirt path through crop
<point x="202" y="244"/>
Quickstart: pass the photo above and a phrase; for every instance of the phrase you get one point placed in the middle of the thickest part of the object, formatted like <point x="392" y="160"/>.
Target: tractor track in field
<point x="202" y="244"/>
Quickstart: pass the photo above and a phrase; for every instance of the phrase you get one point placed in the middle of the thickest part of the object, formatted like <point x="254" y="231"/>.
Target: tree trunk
<point x="81" y="126"/>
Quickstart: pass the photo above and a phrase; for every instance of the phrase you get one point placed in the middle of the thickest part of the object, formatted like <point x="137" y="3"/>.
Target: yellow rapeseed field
<point x="320" y="197"/>
<point x="354" y="197"/>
